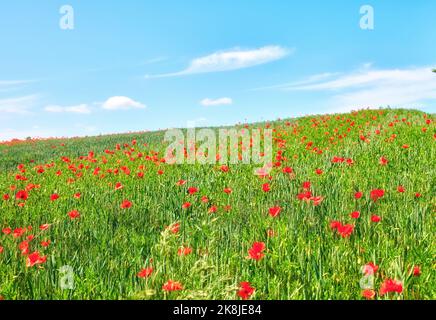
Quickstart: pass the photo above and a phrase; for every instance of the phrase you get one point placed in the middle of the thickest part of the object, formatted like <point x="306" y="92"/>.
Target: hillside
<point x="347" y="212"/>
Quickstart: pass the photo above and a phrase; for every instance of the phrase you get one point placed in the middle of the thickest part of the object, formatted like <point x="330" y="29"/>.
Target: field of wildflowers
<point x="347" y="212"/>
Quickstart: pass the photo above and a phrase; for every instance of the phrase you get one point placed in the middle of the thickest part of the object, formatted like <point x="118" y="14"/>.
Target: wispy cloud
<point x="122" y="103"/>
<point x="216" y="102"/>
<point x="81" y="109"/>
<point x="18" y="105"/>
<point x="231" y="60"/>
<point x="369" y="87"/>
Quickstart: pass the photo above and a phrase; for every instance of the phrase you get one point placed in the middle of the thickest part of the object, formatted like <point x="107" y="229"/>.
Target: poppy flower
<point x="256" y="251"/>
<point x="204" y="199"/>
<point x="184" y="251"/>
<point x="401" y="189"/>
<point x="417" y="195"/>
<point x="375" y="218"/>
<point x="45" y="243"/>
<point x="266" y="187"/>
<point x="376" y="194"/>
<point x="246" y="290"/>
<point x="171" y="285"/>
<point x="126" y="204"/>
<point x="224" y="168"/>
<point x="186" y="205"/>
<point x="319" y="171"/>
<point x="22" y="195"/>
<point x="369" y="268"/>
<point x="77" y="195"/>
<point x="34" y="259"/>
<point x="213" y="209"/>
<point x="181" y="182"/>
<point x="334" y="225"/>
<point x="6" y="197"/>
<point x="368" y="294"/>
<point x="355" y="214"/>
<point x="228" y="190"/>
<point x="7" y="231"/>
<point x="18" y="232"/>
<point x="287" y="170"/>
<point x="306" y="185"/>
<point x="74" y="214"/>
<point x="345" y="230"/>
<point x="54" y="197"/>
<point x="174" y="228"/>
<point x="1" y="249"/>
<point x="44" y="227"/>
<point x="274" y="211"/>
<point x="416" y="271"/>
<point x="383" y="161"/>
<point x="145" y="273"/>
<point x="24" y="247"/>
<point x="358" y="195"/>
<point x="192" y="190"/>
<point x="118" y="186"/>
<point x="390" y="285"/>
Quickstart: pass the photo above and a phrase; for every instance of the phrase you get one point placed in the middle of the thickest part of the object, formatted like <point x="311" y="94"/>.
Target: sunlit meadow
<point x="347" y="212"/>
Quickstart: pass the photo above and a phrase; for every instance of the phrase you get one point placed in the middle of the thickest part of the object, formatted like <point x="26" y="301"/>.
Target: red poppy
<point x="7" y="231"/>
<point x="358" y="195"/>
<point x="287" y="170"/>
<point x="369" y="268"/>
<point x="376" y="194"/>
<point x="145" y="273"/>
<point x="6" y="197"/>
<point x="45" y="243"/>
<point x="224" y="168"/>
<point x="77" y="195"/>
<point x="204" y="199"/>
<point x="181" y="182"/>
<point x="126" y="204"/>
<point x="401" y="189"/>
<point x="256" y="251"/>
<point x="174" y="228"/>
<point x="24" y="247"/>
<point x="274" y="211"/>
<point x="334" y="225"/>
<point x="171" y="285"/>
<point x="345" y="230"/>
<point x="246" y="290"/>
<point x="1" y="249"/>
<point x="118" y="186"/>
<point x="416" y="271"/>
<point x="390" y="285"/>
<point x="34" y="259"/>
<point x="375" y="218"/>
<point x="74" y="214"/>
<point x="266" y="187"/>
<point x="18" y="232"/>
<point x="228" y="190"/>
<point x="184" y="251"/>
<point x="213" y="209"/>
<point x="54" y="197"/>
<point x="368" y="294"/>
<point x="186" y="205"/>
<point x="192" y="190"/>
<point x="306" y="185"/>
<point x="355" y="214"/>
<point x="383" y="161"/>
<point x="318" y="171"/>
<point x="22" y="195"/>
<point x="44" y="227"/>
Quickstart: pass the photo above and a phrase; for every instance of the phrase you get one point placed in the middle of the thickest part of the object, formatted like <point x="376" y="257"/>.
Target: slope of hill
<point x="346" y="212"/>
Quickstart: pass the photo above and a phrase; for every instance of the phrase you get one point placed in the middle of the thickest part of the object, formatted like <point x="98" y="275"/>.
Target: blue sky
<point x="146" y="65"/>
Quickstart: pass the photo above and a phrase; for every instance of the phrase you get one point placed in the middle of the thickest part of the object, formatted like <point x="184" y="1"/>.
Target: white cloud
<point x="18" y="105"/>
<point x="216" y="102"/>
<point x="122" y="103"/>
<point x="373" y="88"/>
<point x="231" y="60"/>
<point x="81" y="108"/>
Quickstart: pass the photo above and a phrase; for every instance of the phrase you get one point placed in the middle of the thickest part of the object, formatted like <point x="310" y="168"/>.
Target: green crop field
<point x="347" y="212"/>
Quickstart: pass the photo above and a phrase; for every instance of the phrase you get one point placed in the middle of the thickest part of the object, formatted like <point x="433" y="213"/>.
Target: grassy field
<point x="350" y="199"/>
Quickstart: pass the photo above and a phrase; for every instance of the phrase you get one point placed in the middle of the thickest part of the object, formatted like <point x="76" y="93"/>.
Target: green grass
<point x="107" y="246"/>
